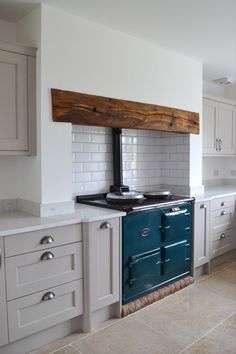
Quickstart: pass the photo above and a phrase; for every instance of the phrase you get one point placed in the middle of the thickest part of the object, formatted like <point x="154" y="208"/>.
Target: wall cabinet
<point x="17" y="100"/>
<point x="3" y="309"/>
<point x="219" y="128"/>
<point x="201" y="233"/>
<point x="102" y="266"/>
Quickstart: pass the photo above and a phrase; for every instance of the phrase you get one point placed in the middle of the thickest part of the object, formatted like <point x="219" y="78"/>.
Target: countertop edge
<point x="37" y="223"/>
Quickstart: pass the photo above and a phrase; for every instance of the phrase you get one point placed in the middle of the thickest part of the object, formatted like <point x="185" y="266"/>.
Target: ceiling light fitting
<point x="224" y="81"/>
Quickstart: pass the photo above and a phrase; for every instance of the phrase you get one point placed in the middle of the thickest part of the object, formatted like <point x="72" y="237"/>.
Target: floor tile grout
<point x="76" y="348"/>
<point x="208" y="332"/>
<point x="159" y="303"/>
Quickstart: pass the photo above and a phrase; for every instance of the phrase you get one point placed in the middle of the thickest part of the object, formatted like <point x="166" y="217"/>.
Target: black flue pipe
<point x="117" y="162"/>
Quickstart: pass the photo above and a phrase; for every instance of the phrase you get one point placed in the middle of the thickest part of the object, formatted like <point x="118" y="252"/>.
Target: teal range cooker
<point x="156" y="241"/>
<point x="156" y="232"/>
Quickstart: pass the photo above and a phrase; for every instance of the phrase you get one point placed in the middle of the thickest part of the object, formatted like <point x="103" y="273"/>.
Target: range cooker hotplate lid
<point x="124" y="197"/>
<point x="157" y="194"/>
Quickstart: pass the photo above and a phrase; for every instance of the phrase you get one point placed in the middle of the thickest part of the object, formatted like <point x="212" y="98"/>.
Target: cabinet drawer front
<point x="222" y="217"/>
<point x="223" y="202"/>
<point x="30" y="273"/>
<point x="42" y="239"/>
<point x="222" y="242"/>
<point x="31" y="314"/>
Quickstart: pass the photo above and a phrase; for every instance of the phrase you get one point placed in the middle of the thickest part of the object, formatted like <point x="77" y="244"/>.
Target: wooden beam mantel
<point x="84" y="109"/>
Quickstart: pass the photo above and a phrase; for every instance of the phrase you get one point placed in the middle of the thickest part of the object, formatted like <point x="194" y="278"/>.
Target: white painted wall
<point x="230" y="91"/>
<point x="209" y="88"/>
<point x="7" y="31"/>
<point x="79" y="55"/>
<point x="218" y="170"/>
<point x="82" y="56"/>
<point x="29" y="167"/>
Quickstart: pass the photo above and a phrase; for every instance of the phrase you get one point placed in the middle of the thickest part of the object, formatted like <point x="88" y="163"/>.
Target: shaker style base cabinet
<point x="3" y="308"/>
<point x="201" y="233"/>
<point x="219" y="128"/>
<point x="44" y="280"/>
<point x="102" y="266"/>
<point x="17" y="100"/>
<point x="222" y="234"/>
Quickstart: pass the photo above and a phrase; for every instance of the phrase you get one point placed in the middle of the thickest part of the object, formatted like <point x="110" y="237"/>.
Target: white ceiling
<point x="204" y="30"/>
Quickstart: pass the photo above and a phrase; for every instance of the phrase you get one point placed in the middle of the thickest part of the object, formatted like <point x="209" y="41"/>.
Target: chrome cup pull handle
<point x="106" y="225"/>
<point x="48" y="296"/>
<point x="46" y="239"/>
<point x="220" y="144"/>
<point x="47" y="256"/>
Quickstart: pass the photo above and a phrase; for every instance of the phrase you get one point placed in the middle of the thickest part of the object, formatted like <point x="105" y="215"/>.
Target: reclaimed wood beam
<point x="84" y="109"/>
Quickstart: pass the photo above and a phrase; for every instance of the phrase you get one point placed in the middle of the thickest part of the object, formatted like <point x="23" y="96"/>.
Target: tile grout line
<point x="208" y="332"/>
<point x="155" y="330"/>
<point x="62" y="347"/>
<point x="76" y="348"/>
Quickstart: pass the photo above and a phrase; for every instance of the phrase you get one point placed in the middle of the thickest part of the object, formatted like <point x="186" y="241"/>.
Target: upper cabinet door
<point x="227" y="130"/>
<point x="13" y="102"/>
<point x="210" y="126"/>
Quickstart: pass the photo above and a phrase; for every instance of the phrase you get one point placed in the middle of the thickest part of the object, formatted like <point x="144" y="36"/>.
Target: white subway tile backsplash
<point x="83" y="176"/>
<point x="83" y="157"/>
<point x="90" y="166"/>
<point x="88" y="147"/>
<point x="82" y="137"/>
<point x="105" y="166"/>
<point x="150" y="158"/>
<point x="77" y="147"/>
<point x="77" y="167"/>
<point x="98" y="138"/>
<point x="101" y="176"/>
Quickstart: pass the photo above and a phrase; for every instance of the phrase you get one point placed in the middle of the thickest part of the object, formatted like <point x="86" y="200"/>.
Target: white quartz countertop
<point x="212" y="192"/>
<point x="12" y="223"/>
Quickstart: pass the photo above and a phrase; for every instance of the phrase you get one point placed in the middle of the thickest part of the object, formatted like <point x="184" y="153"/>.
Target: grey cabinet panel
<point x="102" y="244"/>
<point x="13" y="102"/>
<point x="34" y="241"/>
<point x="31" y="314"/>
<point x="3" y="309"/>
<point x="201" y="233"/>
<point x="32" y="272"/>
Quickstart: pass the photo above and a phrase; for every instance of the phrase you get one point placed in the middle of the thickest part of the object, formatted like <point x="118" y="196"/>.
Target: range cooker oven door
<point x="176" y="258"/>
<point x="176" y="224"/>
<point x="141" y="241"/>
<point x="144" y="271"/>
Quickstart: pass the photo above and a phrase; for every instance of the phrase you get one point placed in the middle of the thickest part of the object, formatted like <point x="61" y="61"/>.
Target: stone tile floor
<point x="200" y="319"/>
